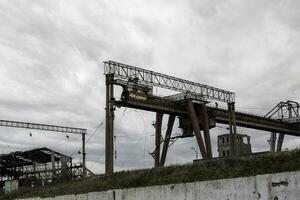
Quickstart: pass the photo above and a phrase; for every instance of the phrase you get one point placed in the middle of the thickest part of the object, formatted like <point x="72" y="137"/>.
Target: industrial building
<point x="37" y="167"/>
<point x="243" y="145"/>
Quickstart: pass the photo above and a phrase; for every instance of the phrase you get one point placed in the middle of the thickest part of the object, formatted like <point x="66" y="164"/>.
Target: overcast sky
<point x="51" y="70"/>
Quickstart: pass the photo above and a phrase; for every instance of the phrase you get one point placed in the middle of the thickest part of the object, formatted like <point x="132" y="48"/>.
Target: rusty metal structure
<point x="39" y="166"/>
<point x="190" y="104"/>
<point x="288" y="112"/>
<point x="53" y="128"/>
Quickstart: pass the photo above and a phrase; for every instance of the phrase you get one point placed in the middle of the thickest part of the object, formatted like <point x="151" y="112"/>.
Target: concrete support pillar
<point x="158" y="124"/>
<point x="109" y="125"/>
<point x="167" y="140"/>
<point x="195" y="124"/>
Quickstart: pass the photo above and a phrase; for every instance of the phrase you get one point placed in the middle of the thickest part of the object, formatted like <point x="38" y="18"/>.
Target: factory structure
<point x="40" y="166"/>
<point x="37" y="167"/>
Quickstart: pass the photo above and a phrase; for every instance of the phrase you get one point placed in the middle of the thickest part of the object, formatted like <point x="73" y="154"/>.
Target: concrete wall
<point x="271" y="186"/>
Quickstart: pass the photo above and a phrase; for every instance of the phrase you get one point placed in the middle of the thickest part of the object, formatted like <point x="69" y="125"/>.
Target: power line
<point x="94" y="132"/>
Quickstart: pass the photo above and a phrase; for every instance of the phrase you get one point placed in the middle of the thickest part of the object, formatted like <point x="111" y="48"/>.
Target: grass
<point x="206" y="170"/>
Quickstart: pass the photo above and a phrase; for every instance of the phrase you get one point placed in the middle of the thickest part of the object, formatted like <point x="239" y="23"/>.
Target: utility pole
<point x="196" y="152"/>
<point x="83" y="156"/>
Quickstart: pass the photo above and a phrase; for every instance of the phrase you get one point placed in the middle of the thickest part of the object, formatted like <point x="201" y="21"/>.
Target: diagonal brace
<point x="159" y="117"/>
<point x="205" y="122"/>
<point x="167" y="140"/>
<point x="193" y="117"/>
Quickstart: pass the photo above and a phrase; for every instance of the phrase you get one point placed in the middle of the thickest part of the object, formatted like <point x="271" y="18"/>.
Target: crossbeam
<point x="151" y="78"/>
<point x="242" y="119"/>
<point x="44" y="127"/>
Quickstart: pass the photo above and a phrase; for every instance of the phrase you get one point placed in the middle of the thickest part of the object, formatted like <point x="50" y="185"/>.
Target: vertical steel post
<point x="273" y="141"/>
<point x="109" y="125"/>
<point x="281" y="135"/>
<point x="83" y="156"/>
<point x="167" y="140"/>
<point x="158" y="124"/>
<point x="53" y="164"/>
<point x="205" y="122"/>
<point x="232" y="129"/>
<point x="195" y="124"/>
<point x="280" y="142"/>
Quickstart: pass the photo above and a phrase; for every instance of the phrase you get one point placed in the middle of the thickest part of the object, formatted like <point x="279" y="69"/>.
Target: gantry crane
<point x="189" y="104"/>
<point x="138" y="83"/>
<point x="47" y="127"/>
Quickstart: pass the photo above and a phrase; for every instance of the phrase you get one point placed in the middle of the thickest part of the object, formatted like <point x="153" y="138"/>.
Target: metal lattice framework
<point x="288" y="111"/>
<point x="54" y="128"/>
<point x="44" y="127"/>
<point x="151" y="78"/>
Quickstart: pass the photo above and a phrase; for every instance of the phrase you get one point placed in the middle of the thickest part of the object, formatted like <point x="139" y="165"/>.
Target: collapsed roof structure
<point x="37" y="166"/>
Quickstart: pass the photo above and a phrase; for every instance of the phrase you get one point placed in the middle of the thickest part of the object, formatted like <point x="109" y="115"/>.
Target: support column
<point x="83" y="156"/>
<point x="205" y="122"/>
<point x="232" y="129"/>
<point x="273" y="141"/>
<point x="195" y="124"/>
<point x="53" y="164"/>
<point x="280" y="142"/>
<point x="158" y="124"/>
<point x="109" y="125"/>
<point x="281" y="135"/>
<point x="167" y="140"/>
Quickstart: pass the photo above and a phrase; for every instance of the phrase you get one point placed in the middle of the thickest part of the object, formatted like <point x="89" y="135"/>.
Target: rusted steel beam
<point x="242" y="119"/>
<point x="159" y="117"/>
<point x="167" y="140"/>
<point x="109" y="127"/>
<point x="193" y="117"/>
<point x="205" y="122"/>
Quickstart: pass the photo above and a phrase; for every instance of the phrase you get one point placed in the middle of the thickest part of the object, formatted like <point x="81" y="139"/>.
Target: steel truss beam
<point x="151" y="78"/>
<point x="43" y="127"/>
<point x="285" y="111"/>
